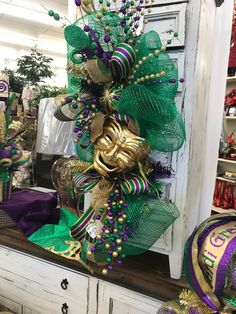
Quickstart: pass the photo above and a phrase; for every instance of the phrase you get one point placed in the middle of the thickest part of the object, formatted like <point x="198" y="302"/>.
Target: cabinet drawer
<point x="117" y="300"/>
<point x="37" y="284"/>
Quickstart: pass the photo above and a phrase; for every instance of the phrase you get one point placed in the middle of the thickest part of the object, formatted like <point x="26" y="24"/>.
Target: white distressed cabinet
<point x="29" y="285"/>
<point x="36" y="284"/>
<point x="113" y="299"/>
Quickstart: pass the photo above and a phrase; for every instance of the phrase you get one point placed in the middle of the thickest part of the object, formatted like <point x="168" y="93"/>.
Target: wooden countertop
<point x="146" y="273"/>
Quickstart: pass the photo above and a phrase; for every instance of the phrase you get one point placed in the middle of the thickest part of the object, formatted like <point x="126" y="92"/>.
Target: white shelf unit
<point x="225" y="179"/>
<point x="220" y="210"/>
<point x="227" y="160"/>
<point x="231" y="79"/>
<point x="229" y="125"/>
<point x="230" y="117"/>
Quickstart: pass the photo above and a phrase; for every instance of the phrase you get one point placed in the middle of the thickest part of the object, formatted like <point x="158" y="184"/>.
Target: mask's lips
<point x="109" y="167"/>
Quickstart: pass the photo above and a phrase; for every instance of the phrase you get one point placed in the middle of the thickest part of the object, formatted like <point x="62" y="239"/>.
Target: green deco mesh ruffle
<point x="77" y="40"/>
<point x="161" y="124"/>
<point x="149" y="218"/>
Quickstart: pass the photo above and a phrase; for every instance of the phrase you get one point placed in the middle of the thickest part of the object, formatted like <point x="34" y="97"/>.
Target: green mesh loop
<point x="161" y="125"/>
<point x="149" y="218"/>
<point x="76" y="37"/>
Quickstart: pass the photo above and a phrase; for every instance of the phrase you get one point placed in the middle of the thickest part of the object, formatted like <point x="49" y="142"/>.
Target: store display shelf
<point x="230" y="117"/>
<point x="227" y="160"/>
<point x="231" y="79"/>
<point x="225" y="179"/>
<point x="221" y="210"/>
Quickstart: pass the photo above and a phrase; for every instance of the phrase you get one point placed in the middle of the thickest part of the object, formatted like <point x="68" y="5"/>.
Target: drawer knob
<point x="64" y="284"/>
<point x="64" y="308"/>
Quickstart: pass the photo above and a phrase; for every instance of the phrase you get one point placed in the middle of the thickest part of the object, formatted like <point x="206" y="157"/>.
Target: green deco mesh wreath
<point x="123" y="86"/>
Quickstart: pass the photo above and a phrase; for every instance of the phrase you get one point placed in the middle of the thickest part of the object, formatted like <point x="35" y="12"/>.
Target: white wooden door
<point x="113" y="299"/>
<point x="166" y="20"/>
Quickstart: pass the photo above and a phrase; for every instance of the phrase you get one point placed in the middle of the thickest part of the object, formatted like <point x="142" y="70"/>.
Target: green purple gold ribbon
<point x="67" y="113"/>
<point x="134" y="185"/>
<point x="85" y="183"/>
<point x="78" y="229"/>
<point x="122" y="60"/>
<point x="207" y="255"/>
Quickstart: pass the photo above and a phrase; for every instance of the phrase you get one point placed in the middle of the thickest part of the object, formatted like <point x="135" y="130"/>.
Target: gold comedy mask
<point x="117" y="149"/>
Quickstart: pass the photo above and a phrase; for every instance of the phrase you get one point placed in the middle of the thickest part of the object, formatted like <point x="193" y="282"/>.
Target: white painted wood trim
<point x="93" y="295"/>
<point x="221" y="40"/>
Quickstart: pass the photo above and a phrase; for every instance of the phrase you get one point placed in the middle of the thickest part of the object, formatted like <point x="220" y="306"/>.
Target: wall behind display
<point x="9" y="55"/>
<point x="26" y="24"/>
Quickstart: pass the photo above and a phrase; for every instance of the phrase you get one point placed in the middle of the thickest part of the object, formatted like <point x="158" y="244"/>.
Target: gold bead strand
<point x="140" y="62"/>
<point x="150" y="77"/>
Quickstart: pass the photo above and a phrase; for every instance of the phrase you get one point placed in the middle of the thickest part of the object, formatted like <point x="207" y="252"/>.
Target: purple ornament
<point x="110" y="267"/>
<point x="120" y="213"/>
<point x="124" y="239"/>
<point x="5" y="154"/>
<point x="76" y="129"/>
<point x="79" y="135"/>
<point x="121" y="233"/>
<point x="125" y="205"/>
<point x="86" y="28"/>
<point x="109" y="213"/>
<point x="84" y="100"/>
<point x="80" y="128"/>
<point x="122" y="23"/>
<point x="78" y="2"/>
<point x="107" y="38"/>
<point x="93" y="248"/>
<point x="113" y="244"/>
<point x="181" y="80"/>
<point x="100" y="242"/>
<point x="98" y="217"/>
<point x="119" y="261"/>
<point x="109" y="201"/>
<point x="75" y="106"/>
<point x="126" y="228"/>
<point x="104" y="228"/>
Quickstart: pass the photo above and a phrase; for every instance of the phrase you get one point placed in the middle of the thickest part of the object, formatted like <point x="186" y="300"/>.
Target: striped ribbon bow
<point x="85" y="183"/>
<point x="134" y="185"/>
